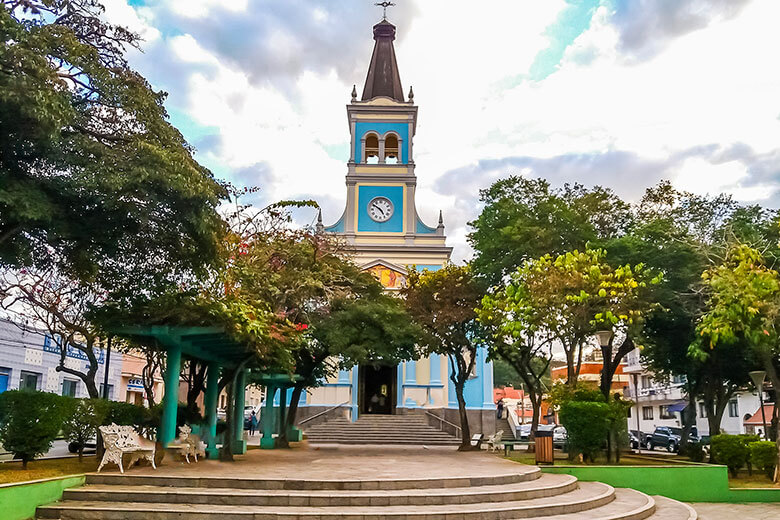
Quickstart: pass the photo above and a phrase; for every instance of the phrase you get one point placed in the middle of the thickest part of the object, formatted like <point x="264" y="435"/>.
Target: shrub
<point x="763" y="455"/>
<point x="81" y="422"/>
<point x="124" y="414"/>
<point x="29" y="422"/>
<point x="730" y="450"/>
<point x="586" y="424"/>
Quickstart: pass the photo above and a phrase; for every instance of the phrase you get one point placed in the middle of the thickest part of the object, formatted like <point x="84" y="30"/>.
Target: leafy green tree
<point x="81" y="423"/>
<point x="518" y="344"/>
<point x="526" y="218"/>
<point x="29" y="422"/>
<point x="365" y="326"/>
<point x="92" y="174"/>
<point x="444" y="304"/>
<point x="567" y="299"/>
<point x="743" y="308"/>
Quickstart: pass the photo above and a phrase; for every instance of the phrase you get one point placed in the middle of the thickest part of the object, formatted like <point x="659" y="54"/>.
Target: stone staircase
<point x="523" y="493"/>
<point x="379" y="429"/>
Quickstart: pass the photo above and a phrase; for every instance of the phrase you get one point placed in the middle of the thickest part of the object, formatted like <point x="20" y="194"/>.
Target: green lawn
<point x="12" y="471"/>
<point x="625" y="460"/>
<point x="757" y="480"/>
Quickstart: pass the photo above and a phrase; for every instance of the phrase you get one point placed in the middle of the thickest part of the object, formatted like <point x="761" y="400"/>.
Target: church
<point x="386" y="234"/>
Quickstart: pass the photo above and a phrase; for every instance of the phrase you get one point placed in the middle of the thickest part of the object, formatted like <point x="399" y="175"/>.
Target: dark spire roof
<point x="383" y="78"/>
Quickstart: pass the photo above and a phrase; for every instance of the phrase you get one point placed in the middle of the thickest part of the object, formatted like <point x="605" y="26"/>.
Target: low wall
<point x="19" y="500"/>
<point x="688" y="483"/>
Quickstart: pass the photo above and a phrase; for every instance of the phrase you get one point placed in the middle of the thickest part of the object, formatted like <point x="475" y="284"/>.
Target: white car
<point x="560" y="436"/>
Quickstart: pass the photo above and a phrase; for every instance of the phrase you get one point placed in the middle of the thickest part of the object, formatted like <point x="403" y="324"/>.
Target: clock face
<point x="380" y="209"/>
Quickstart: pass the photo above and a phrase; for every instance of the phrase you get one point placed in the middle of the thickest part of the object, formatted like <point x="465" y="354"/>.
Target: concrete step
<point x="379" y="429"/>
<point x="521" y="474"/>
<point x="668" y="509"/>
<point x="589" y="496"/>
<point x="627" y="505"/>
<point x="546" y="486"/>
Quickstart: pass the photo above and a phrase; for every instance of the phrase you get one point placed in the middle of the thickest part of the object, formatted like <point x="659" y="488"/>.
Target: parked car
<point x="524" y="430"/>
<point x="637" y="439"/>
<point x="560" y="436"/>
<point x="669" y="438"/>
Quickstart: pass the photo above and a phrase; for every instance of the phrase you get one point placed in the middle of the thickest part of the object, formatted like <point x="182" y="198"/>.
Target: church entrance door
<point x="377" y="389"/>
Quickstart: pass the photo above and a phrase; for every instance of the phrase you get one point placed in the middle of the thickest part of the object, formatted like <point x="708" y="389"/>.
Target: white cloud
<point x="284" y="107"/>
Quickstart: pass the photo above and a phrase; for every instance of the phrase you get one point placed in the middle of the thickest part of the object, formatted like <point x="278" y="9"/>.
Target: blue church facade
<point x="387" y="235"/>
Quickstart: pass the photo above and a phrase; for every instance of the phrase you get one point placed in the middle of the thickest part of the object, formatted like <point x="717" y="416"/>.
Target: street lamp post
<point x="758" y="377"/>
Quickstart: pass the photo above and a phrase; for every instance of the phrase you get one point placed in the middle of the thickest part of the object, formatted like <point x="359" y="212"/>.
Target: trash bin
<point x="544" y="446"/>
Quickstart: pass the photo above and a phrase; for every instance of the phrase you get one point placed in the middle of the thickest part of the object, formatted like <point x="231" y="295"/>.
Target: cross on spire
<point x="384" y="6"/>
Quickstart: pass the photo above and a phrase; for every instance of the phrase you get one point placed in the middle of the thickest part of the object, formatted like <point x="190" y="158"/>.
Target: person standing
<point x="500" y="409"/>
<point x="252" y="423"/>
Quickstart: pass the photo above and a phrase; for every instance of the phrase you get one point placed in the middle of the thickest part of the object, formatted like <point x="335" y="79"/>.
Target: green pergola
<point x="213" y="346"/>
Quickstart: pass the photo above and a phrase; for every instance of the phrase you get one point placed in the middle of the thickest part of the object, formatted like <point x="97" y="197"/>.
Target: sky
<point x="618" y="93"/>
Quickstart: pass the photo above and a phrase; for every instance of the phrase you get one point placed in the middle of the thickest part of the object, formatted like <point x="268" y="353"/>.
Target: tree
<point x="520" y="344"/>
<point x="62" y="305"/>
<point x="680" y="234"/>
<point x="526" y="218"/>
<point x="94" y="177"/>
<point x="368" y="326"/>
<point x="743" y="308"/>
<point x="81" y="423"/>
<point x="29" y="422"/>
<point x="444" y="304"/>
<point x="567" y="299"/>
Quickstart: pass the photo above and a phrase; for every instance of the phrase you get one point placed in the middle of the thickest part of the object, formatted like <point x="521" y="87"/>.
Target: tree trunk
<point x="688" y="420"/>
<point x="197" y="383"/>
<point x="465" y="441"/>
<point x="226" y="454"/>
<point x="769" y="366"/>
<point x="289" y="422"/>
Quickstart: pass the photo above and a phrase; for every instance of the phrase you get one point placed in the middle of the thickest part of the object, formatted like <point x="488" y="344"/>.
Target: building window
<point x="664" y="413"/>
<point x="702" y="411"/>
<point x="629" y="412"/>
<point x="110" y="391"/>
<point x="28" y="381"/>
<point x="69" y="387"/>
<point x="5" y="376"/>
<point x="647" y="413"/>
<point x="733" y="408"/>
<point x="647" y="382"/>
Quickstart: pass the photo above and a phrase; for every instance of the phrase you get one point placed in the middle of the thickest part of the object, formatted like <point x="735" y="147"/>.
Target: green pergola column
<point x="268" y="442"/>
<point x="210" y="404"/>
<point x="171" y="399"/>
<point x="239" y="444"/>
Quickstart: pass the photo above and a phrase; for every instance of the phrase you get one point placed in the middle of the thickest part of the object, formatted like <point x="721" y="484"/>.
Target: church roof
<point x="383" y="78"/>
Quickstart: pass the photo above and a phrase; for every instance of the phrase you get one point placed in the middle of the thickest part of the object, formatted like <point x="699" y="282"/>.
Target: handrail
<point x="459" y="431"/>
<point x="324" y="412"/>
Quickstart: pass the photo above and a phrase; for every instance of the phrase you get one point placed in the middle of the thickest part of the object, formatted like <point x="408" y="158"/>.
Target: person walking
<point x="252" y="423"/>
<point x="500" y="409"/>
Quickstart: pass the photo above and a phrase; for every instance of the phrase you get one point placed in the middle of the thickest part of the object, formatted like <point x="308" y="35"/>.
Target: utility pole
<point x="105" y="368"/>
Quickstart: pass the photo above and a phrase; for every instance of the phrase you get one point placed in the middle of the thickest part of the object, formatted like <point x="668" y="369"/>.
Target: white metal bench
<point x="190" y="444"/>
<point x="118" y="440"/>
<point x="494" y="441"/>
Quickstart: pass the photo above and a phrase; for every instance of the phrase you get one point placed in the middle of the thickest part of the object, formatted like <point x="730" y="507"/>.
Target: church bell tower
<point x="380" y="221"/>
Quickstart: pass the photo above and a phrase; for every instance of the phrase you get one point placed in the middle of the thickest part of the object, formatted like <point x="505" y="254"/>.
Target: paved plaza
<point x="738" y="511"/>
<point x="389" y="463"/>
<point x="345" y="463"/>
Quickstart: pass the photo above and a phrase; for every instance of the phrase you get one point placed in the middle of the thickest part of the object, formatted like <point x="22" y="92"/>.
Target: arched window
<point x="371" y="155"/>
<point x="391" y="149"/>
